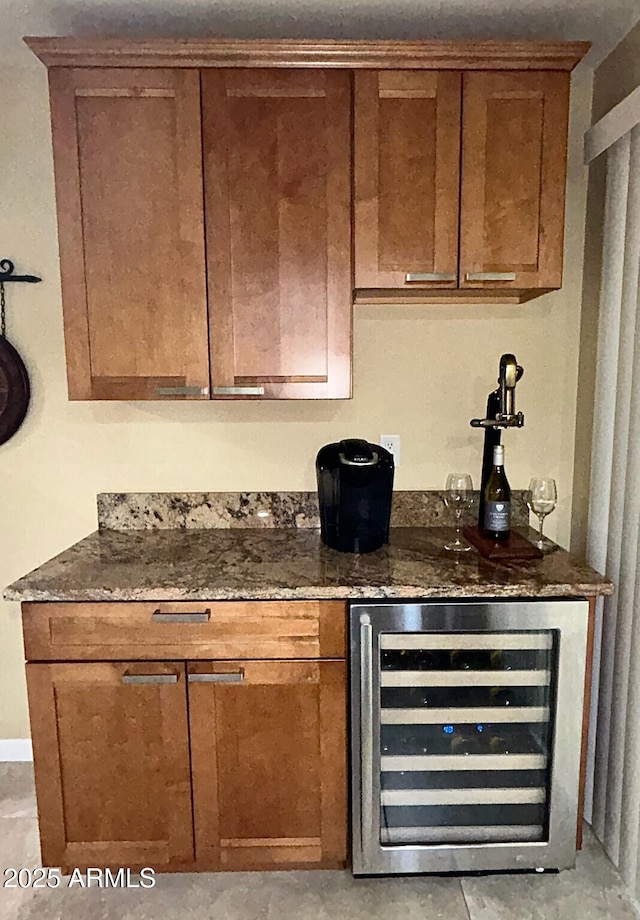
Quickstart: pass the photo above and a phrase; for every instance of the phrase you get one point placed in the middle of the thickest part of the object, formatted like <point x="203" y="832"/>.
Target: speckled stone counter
<point x="204" y="510"/>
<point x="273" y="563"/>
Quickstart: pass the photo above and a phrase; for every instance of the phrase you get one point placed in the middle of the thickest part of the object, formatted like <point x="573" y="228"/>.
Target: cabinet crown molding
<point x="412" y="55"/>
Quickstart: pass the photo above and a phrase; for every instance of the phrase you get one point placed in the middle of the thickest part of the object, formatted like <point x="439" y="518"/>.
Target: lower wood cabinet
<point x="268" y="749"/>
<point x="190" y="765"/>
<point x="111" y="758"/>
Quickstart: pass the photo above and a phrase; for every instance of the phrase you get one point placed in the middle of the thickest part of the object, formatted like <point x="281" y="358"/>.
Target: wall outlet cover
<point x="391" y="442"/>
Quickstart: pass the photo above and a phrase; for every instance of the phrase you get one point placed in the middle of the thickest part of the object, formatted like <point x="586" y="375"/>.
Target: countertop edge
<point x="310" y="593"/>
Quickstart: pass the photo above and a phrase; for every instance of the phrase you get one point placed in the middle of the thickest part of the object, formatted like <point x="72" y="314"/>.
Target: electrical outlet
<point x="391" y="442"/>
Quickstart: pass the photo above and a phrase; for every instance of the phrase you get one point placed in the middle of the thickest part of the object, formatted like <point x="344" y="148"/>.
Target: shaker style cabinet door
<point x="514" y="138"/>
<point x="128" y="168"/>
<point x="407" y="176"/>
<point x="277" y="154"/>
<point x="268" y="753"/>
<point x="111" y="754"/>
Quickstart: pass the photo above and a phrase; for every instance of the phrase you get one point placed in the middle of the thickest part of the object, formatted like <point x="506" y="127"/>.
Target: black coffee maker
<point x="355" y="485"/>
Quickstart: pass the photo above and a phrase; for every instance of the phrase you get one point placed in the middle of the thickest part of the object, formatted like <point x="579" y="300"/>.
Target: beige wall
<point x="420" y="372"/>
<point x="613" y="80"/>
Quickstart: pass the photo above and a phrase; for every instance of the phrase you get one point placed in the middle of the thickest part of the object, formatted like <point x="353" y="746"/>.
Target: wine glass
<point x="541" y="499"/>
<point x="458" y="495"/>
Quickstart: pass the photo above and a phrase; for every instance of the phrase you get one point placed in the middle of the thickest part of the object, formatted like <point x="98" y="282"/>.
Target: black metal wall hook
<point x="7" y="273"/>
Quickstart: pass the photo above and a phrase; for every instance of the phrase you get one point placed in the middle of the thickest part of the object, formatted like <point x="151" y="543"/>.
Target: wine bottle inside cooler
<point x="469" y="659"/>
<point x="497" y="500"/>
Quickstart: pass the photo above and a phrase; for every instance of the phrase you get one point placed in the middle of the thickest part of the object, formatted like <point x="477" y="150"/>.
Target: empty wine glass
<point x="458" y="495"/>
<point x="541" y="499"/>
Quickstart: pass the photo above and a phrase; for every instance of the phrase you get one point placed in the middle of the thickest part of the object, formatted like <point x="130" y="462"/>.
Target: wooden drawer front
<point x="198" y="629"/>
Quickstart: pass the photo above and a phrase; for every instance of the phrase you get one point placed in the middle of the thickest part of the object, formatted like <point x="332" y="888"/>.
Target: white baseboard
<point x="16" y="749"/>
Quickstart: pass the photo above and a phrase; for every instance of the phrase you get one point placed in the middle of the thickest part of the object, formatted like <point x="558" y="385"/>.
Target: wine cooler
<point x="466" y="734"/>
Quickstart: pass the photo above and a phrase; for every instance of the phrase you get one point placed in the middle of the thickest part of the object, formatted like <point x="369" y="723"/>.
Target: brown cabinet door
<point x="111" y="755"/>
<point x="268" y="749"/>
<point x="277" y="153"/>
<point x="407" y="177"/>
<point x="514" y="138"/>
<point x="128" y="166"/>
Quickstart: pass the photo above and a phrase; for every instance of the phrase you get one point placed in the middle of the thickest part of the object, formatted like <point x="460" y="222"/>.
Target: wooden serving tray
<point x="516" y="547"/>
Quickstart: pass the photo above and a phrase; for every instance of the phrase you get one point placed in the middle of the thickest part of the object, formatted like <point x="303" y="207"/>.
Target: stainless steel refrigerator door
<point x="548" y="698"/>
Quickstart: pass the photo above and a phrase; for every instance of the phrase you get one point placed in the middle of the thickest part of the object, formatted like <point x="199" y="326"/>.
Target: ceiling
<point x="603" y="22"/>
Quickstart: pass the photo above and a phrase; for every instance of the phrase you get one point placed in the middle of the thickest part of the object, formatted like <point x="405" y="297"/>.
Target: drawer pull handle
<point x="238" y="391"/>
<point x="182" y="391"/>
<point x="430" y="276"/>
<point x="233" y="677"/>
<point x="490" y="276"/>
<point x="197" y="617"/>
<point x="149" y="678"/>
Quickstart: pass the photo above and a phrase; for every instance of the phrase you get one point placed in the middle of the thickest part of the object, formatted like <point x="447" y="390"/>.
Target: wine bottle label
<point x="497" y="516"/>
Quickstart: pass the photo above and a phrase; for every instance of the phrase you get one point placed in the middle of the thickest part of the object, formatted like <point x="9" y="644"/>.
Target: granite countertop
<point x="285" y="563"/>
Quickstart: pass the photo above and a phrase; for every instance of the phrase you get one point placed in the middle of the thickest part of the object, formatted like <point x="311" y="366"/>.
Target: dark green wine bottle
<point x="497" y="500"/>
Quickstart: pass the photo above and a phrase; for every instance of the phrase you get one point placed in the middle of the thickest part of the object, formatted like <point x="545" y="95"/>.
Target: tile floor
<point x="591" y="891"/>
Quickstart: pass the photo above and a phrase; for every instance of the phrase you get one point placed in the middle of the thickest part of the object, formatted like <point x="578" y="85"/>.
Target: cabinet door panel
<point x="277" y="174"/>
<point x="128" y="166"/>
<point x="514" y="137"/>
<point x="111" y="764"/>
<point x="407" y="173"/>
<point x="269" y="763"/>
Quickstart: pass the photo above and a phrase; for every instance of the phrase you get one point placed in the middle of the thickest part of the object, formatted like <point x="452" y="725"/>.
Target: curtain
<point x="614" y="517"/>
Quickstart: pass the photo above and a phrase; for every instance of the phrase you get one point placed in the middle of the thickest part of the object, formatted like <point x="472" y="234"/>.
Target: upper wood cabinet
<point x="514" y="148"/>
<point x="131" y="211"/>
<point x="128" y="168"/>
<point x="505" y="190"/>
<point x="277" y="170"/>
<point x="407" y="178"/>
<point x="208" y="191"/>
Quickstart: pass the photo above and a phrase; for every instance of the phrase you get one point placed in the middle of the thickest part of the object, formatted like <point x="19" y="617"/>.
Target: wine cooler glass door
<point x="463" y="735"/>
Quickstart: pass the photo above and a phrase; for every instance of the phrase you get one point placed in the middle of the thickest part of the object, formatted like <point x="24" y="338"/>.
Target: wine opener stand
<point x="501" y="413"/>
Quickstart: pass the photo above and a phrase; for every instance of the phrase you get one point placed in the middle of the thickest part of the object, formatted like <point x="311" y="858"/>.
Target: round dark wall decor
<point x="14" y="390"/>
<point x="14" y="380"/>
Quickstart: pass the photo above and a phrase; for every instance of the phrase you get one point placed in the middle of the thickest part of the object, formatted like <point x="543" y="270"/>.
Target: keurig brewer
<point x="355" y="485"/>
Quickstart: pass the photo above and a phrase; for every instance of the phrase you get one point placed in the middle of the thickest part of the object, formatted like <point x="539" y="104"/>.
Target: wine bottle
<point x="497" y="500"/>
<point x="466" y="739"/>
<point x="469" y="659"/>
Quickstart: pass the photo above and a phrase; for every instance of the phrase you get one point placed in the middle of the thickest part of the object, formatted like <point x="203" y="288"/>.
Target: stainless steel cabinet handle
<point x="367" y="830"/>
<point x="430" y="276"/>
<point x="238" y="391"/>
<point x="149" y="678"/>
<point x="490" y="276"/>
<point x="182" y="391"/>
<point x="228" y="678"/>
<point x="197" y="617"/>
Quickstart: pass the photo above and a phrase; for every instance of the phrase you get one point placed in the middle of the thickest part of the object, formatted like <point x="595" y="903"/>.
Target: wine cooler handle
<point x="366" y="733"/>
